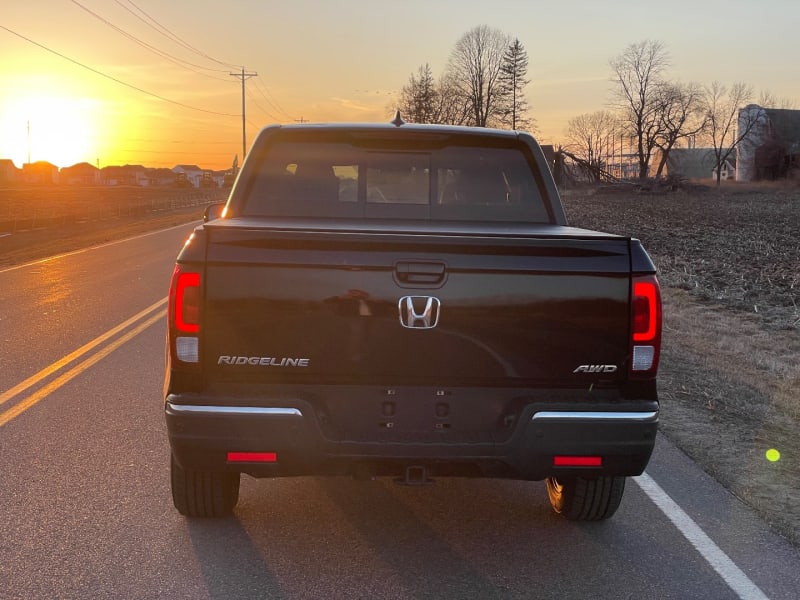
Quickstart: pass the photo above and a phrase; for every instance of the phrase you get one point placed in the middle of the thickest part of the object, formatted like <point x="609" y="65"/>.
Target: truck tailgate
<point x="415" y="308"/>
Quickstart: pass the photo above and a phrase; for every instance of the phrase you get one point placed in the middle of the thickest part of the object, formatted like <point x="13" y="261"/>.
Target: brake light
<point x="646" y="316"/>
<point x="187" y="302"/>
<point x="184" y="315"/>
<point x="645" y="301"/>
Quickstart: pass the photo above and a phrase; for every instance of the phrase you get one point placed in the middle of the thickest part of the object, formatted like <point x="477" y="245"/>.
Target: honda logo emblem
<point x="419" y="312"/>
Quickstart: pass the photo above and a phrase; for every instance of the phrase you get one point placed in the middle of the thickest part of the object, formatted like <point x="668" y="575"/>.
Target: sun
<point x="53" y="127"/>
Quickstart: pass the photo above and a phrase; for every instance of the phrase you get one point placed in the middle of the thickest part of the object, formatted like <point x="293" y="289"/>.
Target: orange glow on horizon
<point x="56" y="127"/>
<point x="53" y="120"/>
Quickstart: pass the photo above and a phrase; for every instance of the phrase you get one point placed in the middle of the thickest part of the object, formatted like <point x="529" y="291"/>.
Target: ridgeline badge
<point x="263" y="361"/>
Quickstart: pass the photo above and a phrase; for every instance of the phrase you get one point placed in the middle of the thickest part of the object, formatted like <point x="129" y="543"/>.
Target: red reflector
<point x="645" y="311"/>
<point x="577" y="461"/>
<point x="265" y="457"/>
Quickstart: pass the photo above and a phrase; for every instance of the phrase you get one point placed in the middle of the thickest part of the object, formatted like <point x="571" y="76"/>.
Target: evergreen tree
<point x="418" y="97"/>
<point x="513" y="77"/>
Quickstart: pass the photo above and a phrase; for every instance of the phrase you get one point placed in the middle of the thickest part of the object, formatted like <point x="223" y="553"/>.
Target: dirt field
<point x="729" y="264"/>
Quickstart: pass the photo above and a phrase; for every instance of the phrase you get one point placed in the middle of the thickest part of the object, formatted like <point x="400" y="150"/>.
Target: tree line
<point x="655" y="114"/>
<point x="484" y="83"/>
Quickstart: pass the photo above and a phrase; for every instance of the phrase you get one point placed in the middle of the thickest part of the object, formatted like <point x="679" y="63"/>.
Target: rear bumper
<point x="288" y="439"/>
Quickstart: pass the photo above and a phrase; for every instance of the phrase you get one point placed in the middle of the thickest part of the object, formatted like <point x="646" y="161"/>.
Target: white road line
<point x="713" y="554"/>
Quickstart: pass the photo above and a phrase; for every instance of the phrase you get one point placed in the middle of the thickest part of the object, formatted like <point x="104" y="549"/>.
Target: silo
<point x="754" y="117"/>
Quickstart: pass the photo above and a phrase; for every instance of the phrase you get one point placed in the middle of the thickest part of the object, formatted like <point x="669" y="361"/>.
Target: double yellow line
<point x="141" y="320"/>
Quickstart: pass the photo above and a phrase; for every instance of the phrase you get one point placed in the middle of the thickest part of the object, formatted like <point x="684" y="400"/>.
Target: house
<point x="40" y="172"/>
<point x="192" y="174"/>
<point x="9" y="173"/>
<point x="161" y="177"/>
<point x="771" y="149"/>
<point x="80" y="174"/>
<point x="698" y="163"/>
<point x="124" y="175"/>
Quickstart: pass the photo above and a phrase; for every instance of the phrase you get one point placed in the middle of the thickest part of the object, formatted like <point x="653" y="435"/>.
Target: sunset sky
<point x="148" y="81"/>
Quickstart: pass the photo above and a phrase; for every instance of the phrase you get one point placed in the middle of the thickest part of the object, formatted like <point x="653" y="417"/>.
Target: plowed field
<point x="729" y="262"/>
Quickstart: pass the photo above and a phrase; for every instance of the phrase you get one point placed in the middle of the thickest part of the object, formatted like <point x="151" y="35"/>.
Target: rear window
<point x="374" y="178"/>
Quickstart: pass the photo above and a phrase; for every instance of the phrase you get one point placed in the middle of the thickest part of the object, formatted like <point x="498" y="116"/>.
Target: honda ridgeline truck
<point x="408" y="301"/>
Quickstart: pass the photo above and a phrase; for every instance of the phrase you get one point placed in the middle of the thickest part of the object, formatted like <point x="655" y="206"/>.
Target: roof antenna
<point x="398" y="120"/>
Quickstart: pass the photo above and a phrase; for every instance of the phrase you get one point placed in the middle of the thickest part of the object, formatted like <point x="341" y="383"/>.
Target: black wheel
<point x="203" y="493"/>
<point x="580" y="499"/>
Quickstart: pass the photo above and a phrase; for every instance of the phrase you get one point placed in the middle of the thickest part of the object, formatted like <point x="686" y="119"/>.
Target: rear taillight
<point x="184" y="315"/>
<point x="645" y="325"/>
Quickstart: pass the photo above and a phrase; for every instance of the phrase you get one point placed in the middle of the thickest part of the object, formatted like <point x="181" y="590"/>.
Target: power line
<point x="264" y="110"/>
<point x="114" y="79"/>
<point x="157" y="51"/>
<point x="167" y="152"/>
<point x="273" y="103"/>
<point x="155" y="25"/>
<point x="169" y="34"/>
<point x="217" y="142"/>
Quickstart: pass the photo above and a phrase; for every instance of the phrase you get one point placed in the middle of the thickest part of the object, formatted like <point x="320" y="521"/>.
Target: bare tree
<point x="768" y="100"/>
<point x="475" y="66"/>
<point x="638" y="73"/>
<point x="513" y="76"/>
<point x="590" y="138"/>
<point x="682" y="115"/>
<point x="726" y="128"/>
<point x="424" y="100"/>
<point x="450" y="107"/>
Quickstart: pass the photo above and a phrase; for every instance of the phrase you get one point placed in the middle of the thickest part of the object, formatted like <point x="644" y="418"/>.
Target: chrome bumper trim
<point x="235" y="410"/>
<point x="595" y="416"/>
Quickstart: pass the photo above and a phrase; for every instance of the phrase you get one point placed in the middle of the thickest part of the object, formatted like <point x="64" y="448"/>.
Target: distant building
<point x="549" y="156"/>
<point x="161" y="177"/>
<point x="80" y="174"/>
<point x="698" y="163"/>
<point x="728" y="169"/>
<point x="771" y="150"/>
<point x="124" y="175"/>
<point x="192" y="174"/>
<point x="40" y="172"/>
<point x="9" y="173"/>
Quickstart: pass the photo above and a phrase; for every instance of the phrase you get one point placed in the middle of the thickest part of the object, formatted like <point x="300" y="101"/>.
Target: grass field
<point x="729" y="263"/>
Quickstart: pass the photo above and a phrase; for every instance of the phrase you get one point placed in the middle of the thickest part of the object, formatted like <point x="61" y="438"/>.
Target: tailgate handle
<point x="430" y="273"/>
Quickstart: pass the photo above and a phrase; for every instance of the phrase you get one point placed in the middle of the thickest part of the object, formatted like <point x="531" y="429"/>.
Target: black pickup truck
<point x="408" y="301"/>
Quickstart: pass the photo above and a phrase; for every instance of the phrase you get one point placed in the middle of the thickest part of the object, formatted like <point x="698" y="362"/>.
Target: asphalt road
<point x="85" y="507"/>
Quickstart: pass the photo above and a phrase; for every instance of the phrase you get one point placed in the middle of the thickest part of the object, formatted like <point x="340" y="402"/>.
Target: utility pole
<point x="244" y="77"/>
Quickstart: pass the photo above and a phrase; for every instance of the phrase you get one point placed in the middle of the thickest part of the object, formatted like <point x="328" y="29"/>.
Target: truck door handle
<point x="419" y="273"/>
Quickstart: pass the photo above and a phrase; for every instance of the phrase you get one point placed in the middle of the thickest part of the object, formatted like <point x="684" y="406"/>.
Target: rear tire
<point x="580" y="499"/>
<point x="203" y="493"/>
